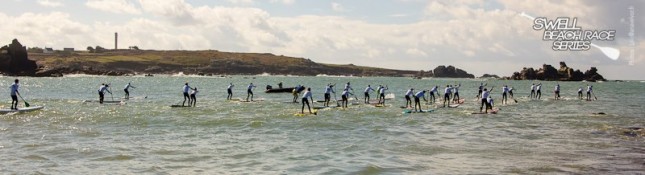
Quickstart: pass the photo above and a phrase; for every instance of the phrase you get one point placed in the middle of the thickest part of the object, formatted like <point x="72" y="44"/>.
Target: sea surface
<point x="145" y="136"/>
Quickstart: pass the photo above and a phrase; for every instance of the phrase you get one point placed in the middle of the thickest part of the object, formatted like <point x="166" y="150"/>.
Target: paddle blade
<point x="26" y="104"/>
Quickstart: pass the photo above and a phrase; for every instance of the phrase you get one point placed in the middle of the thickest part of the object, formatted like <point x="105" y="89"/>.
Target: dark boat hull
<point x="283" y="90"/>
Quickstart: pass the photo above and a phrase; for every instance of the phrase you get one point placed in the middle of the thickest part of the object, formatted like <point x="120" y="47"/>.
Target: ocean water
<point x="146" y="136"/>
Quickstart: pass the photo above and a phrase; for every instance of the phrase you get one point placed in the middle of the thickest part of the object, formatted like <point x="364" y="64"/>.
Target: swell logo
<point x="567" y="36"/>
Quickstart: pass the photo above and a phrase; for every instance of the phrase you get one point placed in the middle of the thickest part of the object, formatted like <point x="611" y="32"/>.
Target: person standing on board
<point x="589" y="91"/>
<point x="193" y="97"/>
<point x="186" y="91"/>
<point x="344" y="96"/>
<point x="127" y="93"/>
<point x="367" y="94"/>
<point x="538" y="88"/>
<point x="381" y="94"/>
<point x="580" y="93"/>
<point x="432" y="92"/>
<point x="484" y="99"/>
<point x="347" y="86"/>
<point x="408" y="101"/>
<point x="481" y="86"/>
<point x="456" y="96"/>
<point x="505" y="91"/>
<point x="510" y="92"/>
<point x="295" y="93"/>
<point x="102" y="89"/>
<point x="417" y="96"/>
<point x="14" y="94"/>
<point x="229" y="90"/>
<point x="446" y="95"/>
<point x="305" y="100"/>
<point x="556" y="91"/>
<point x="490" y="102"/>
<point x="532" y="91"/>
<point x="249" y="91"/>
<point x="328" y="90"/>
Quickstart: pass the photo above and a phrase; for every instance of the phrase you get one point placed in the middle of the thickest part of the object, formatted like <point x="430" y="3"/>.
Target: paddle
<point x="337" y="104"/>
<point x="594" y="95"/>
<point x="26" y="104"/>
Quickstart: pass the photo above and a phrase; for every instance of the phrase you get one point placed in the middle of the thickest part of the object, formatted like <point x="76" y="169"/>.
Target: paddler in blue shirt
<point x="484" y="99"/>
<point x="417" y="96"/>
<point x="305" y="100"/>
<point x="125" y="89"/>
<point x="408" y="101"/>
<point x="229" y="89"/>
<point x="193" y="96"/>
<point x="344" y="96"/>
<point x="102" y="89"/>
<point x="328" y="90"/>
<point x="381" y="94"/>
<point x="186" y="91"/>
<point x="14" y="94"/>
<point x="367" y="94"/>
<point x="432" y="92"/>
<point x="249" y="91"/>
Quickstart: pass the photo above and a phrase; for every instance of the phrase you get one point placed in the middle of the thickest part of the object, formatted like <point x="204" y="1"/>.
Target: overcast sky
<point x="480" y="36"/>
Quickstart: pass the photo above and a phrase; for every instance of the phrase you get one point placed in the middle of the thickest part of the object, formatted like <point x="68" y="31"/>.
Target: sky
<point x="479" y="36"/>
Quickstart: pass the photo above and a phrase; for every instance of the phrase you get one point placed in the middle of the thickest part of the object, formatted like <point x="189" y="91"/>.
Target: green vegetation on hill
<point x="194" y="62"/>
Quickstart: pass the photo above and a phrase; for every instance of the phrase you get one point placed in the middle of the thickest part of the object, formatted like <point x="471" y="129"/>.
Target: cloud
<point x="242" y="2"/>
<point x="468" y="34"/>
<point x="50" y="3"/>
<point x="337" y="7"/>
<point x="177" y="11"/>
<point x="113" y="6"/>
<point x="286" y="2"/>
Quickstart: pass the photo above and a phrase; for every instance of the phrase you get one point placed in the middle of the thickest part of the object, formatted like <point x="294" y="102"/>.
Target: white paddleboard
<point x="26" y="109"/>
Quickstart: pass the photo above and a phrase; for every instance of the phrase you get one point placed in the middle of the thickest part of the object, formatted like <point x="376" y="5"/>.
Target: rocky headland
<point x="564" y="73"/>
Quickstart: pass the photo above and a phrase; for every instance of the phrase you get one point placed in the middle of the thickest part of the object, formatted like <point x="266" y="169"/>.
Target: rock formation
<point x="450" y="72"/>
<point x="564" y="73"/>
<point x="14" y="60"/>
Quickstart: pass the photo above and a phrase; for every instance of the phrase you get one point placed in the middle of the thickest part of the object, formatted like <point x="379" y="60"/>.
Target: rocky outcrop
<point x="489" y="76"/>
<point x="14" y="60"/>
<point x="450" y="72"/>
<point x="564" y="73"/>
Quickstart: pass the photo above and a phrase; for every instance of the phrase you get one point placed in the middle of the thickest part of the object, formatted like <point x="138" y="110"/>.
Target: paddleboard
<point x="135" y="98"/>
<point x="494" y="111"/>
<point x="104" y="101"/>
<point x="408" y="111"/>
<point x="315" y="112"/>
<point x="453" y="105"/>
<point x="324" y="107"/>
<point x="178" y="106"/>
<point x="25" y="109"/>
<point x="381" y="105"/>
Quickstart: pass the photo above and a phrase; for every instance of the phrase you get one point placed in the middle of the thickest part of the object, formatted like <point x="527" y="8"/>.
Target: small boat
<point x="283" y="90"/>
